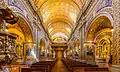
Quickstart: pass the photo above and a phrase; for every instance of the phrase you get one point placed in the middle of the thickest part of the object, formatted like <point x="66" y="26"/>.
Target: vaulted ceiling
<point x="59" y="17"/>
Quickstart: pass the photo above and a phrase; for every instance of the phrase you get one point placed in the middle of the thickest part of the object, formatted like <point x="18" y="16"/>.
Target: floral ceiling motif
<point x="59" y="16"/>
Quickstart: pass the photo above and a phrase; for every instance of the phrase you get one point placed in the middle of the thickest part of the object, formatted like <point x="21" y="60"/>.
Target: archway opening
<point x="69" y="52"/>
<point x="76" y="49"/>
<point x="24" y="37"/>
<point x="99" y="38"/>
<point x="76" y="45"/>
<point x="42" y="48"/>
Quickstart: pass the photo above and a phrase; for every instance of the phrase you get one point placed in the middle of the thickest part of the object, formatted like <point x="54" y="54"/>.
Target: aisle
<point x="59" y="67"/>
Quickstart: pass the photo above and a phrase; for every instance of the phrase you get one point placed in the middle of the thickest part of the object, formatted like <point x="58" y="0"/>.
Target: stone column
<point x="80" y="43"/>
<point x="37" y="43"/>
<point x="82" y="37"/>
<point x="116" y="33"/>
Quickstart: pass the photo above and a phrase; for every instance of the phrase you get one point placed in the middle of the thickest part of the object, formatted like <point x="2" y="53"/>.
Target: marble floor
<point x="59" y="67"/>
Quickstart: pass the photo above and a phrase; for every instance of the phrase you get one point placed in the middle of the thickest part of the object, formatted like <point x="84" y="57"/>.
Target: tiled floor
<point x="59" y="67"/>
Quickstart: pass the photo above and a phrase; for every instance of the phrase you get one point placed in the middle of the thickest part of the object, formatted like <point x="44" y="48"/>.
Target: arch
<point x="16" y="32"/>
<point x="22" y="28"/>
<point x="69" y="50"/>
<point x="100" y="33"/>
<point x="106" y="14"/>
<point x="25" y="29"/>
<point x="42" y="44"/>
<point x="103" y="48"/>
<point x="76" y="44"/>
<point x="22" y="15"/>
<point x="97" y="25"/>
<point x="15" y="9"/>
<point x="42" y="47"/>
<point x="24" y="36"/>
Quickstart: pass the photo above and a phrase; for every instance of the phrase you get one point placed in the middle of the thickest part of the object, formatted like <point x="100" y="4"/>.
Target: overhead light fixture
<point x="50" y="30"/>
<point x="73" y="16"/>
<point x="59" y="34"/>
<point x="29" y="40"/>
<point x="6" y="30"/>
<point x="112" y="30"/>
<point x="90" y="41"/>
<point x="34" y="44"/>
<point x="68" y="29"/>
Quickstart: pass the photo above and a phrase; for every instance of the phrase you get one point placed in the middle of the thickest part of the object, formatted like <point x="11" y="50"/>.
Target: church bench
<point x="33" y="70"/>
<point x="96" y="70"/>
<point x="46" y="64"/>
<point x="47" y="67"/>
<point x="76" y="66"/>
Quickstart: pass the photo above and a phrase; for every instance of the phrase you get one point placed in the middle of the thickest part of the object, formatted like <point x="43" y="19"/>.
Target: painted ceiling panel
<point x="60" y="19"/>
<point x="59" y="16"/>
<point x="59" y="35"/>
<point x="59" y="9"/>
<point x="59" y="30"/>
<point x="59" y="25"/>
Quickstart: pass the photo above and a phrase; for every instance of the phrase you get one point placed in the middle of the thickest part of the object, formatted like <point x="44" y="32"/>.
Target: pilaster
<point x="116" y="33"/>
<point x="82" y="38"/>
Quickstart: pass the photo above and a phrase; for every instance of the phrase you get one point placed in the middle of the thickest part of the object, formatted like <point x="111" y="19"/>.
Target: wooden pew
<point x="48" y="64"/>
<point x="74" y="66"/>
<point x="33" y="70"/>
<point x="44" y="64"/>
<point x="96" y="70"/>
<point x="47" y="67"/>
<point x="82" y="68"/>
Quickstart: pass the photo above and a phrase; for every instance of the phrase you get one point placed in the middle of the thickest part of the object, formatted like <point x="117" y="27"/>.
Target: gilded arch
<point x="77" y="44"/>
<point x="22" y="26"/>
<point x="42" y="44"/>
<point x="98" y="24"/>
<point x="100" y="33"/>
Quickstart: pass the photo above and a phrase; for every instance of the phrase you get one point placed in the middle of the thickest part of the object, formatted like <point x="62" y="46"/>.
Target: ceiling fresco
<point x="59" y="17"/>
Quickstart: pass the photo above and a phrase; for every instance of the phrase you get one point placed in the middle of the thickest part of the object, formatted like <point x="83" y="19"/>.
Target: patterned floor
<point x="59" y="67"/>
